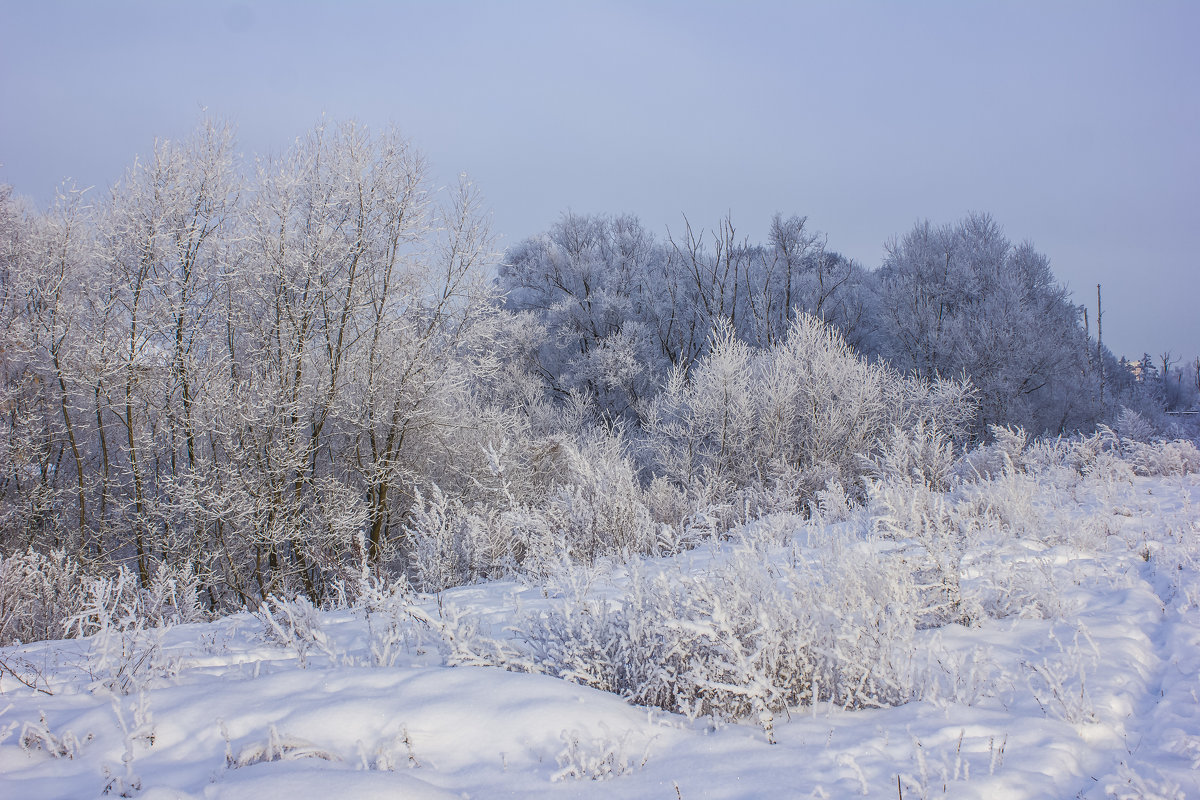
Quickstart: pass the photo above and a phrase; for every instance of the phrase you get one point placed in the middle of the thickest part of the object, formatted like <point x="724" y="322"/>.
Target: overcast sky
<point x="1076" y="125"/>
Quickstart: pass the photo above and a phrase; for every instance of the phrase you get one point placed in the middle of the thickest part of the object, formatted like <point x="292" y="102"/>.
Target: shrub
<point x="599" y="507"/>
<point x="915" y="513"/>
<point x="38" y="595"/>
<point x="126" y="623"/>
<point x="1004" y="454"/>
<point x="595" y="507"/>
<point x="450" y="545"/>
<point x="923" y="456"/>
<point x="748" y="638"/>
<point x="1163" y="458"/>
<point x="809" y="409"/>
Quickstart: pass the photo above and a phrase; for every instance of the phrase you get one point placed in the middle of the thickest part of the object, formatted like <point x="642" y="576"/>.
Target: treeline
<point x="958" y="300"/>
<point x="272" y="372"/>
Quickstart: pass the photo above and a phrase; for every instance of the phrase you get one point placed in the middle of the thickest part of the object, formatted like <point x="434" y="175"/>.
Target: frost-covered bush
<point x="1162" y="458"/>
<point x="277" y="747"/>
<point x="1132" y="425"/>
<point x="593" y="507"/>
<point x="1004" y="503"/>
<point x="47" y="596"/>
<point x="914" y="513"/>
<point x="395" y="621"/>
<point x="39" y="736"/>
<point x="831" y="505"/>
<point x="295" y="625"/>
<point x="596" y="507"/>
<point x="597" y="758"/>
<point x="757" y="633"/>
<point x="451" y="545"/>
<point x="1108" y="467"/>
<point x="1025" y="588"/>
<point x="922" y="455"/>
<point x="667" y="503"/>
<point x="599" y="507"/>
<point x="806" y="411"/>
<point x="173" y="597"/>
<point x="1005" y="453"/>
<point x="1101" y="456"/>
<point x="38" y="594"/>
<point x="1084" y="453"/>
<point x="1118" y="454"/>
<point x="125" y="624"/>
<point x="1012" y="450"/>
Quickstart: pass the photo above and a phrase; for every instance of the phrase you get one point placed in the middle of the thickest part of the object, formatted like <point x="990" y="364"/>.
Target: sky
<point x="1076" y="125"/>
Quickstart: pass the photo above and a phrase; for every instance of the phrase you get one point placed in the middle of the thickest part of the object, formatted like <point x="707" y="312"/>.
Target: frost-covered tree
<point x="264" y="373"/>
<point x="32" y="321"/>
<point x="56" y="261"/>
<point x="244" y="370"/>
<point x="358" y="323"/>
<point x="621" y="309"/>
<point x="150" y="315"/>
<point x="963" y="300"/>
<point x="716" y="280"/>
<point x="592" y="282"/>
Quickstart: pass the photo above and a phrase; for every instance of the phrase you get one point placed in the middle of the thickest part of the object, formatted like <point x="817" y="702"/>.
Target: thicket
<point x="839" y="606"/>
<point x="792" y="611"/>
<point x="261" y="376"/>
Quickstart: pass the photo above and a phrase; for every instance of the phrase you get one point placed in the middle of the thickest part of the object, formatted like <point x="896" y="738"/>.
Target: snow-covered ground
<point x="1076" y="674"/>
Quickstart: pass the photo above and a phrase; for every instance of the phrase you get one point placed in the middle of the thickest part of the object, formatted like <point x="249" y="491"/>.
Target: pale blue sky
<point x="1076" y="125"/>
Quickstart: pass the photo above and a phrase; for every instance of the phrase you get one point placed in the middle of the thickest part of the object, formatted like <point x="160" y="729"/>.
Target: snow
<point x="1096" y="696"/>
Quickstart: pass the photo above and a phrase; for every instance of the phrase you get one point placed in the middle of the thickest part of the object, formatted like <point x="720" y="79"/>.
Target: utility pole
<point x="1100" y="342"/>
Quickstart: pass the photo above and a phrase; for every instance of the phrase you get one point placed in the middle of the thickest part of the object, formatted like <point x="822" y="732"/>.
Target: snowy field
<point x="1032" y="635"/>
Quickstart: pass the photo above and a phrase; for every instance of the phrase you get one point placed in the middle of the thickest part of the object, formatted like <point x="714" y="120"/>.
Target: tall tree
<point x="963" y="300"/>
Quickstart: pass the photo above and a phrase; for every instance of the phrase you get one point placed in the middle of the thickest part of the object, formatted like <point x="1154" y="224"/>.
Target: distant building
<point x="1135" y="369"/>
